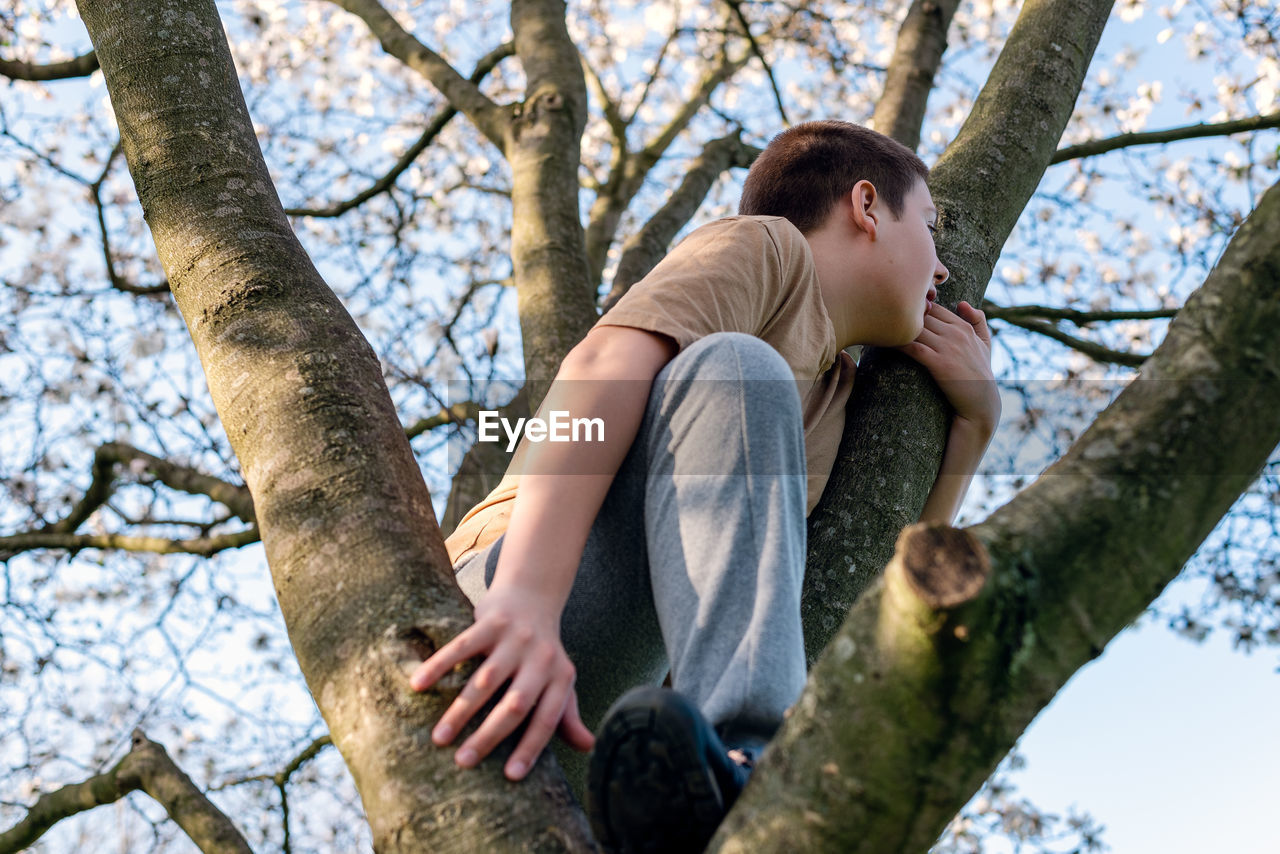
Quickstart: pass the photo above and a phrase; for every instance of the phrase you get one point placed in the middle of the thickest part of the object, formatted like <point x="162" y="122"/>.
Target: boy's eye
<point x="933" y="227"/>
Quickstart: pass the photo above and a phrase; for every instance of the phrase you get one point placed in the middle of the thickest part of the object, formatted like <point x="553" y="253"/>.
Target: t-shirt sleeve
<point x="732" y="275"/>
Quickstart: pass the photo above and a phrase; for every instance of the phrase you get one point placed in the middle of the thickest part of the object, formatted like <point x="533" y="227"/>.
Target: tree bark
<point x="934" y="675"/>
<point x="917" y="55"/>
<point x="896" y="421"/>
<point x="556" y="294"/>
<point x="363" y="581"/>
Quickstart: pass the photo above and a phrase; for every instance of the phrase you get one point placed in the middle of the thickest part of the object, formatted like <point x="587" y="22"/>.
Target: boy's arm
<point x="562" y="486"/>
<point x="955" y="347"/>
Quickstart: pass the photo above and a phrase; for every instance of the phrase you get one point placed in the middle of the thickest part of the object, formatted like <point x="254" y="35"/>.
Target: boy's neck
<point x="835" y="256"/>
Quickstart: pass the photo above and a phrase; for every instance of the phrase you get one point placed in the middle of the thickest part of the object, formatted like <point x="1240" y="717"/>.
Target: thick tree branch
<point x="917" y="55"/>
<point x="437" y="124"/>
<point x="1155" y="137"/>
<point x="948" y="685"/>
<point x="1094" y="351"/>
<point x="462" y="93"/>
<point x="556" y="292"/>
<point x="81" y="66"/>
<point x="303" y="401"/>
<point x="983" y="181"/>
<point x="146" y="766"/>
<point x="644" y="249"/>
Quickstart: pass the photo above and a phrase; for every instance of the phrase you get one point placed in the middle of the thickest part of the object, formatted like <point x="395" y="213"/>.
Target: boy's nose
<point x="940" y="275"/>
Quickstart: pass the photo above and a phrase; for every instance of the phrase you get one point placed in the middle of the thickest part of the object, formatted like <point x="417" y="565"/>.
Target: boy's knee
<point x="727" y="370"/>
<point x="731" y="356"/>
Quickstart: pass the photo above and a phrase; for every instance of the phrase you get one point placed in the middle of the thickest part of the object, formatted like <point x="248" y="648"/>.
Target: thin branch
<point x="706" y="88"/>
<point x="459" y="413"/>
<point x="147" y="766"/>
<point x="646" y="247"/>
<point x="1097" y="352"/>
<point x="1076" y="316"/>
<point x="630" y="170"/>
<point x="203" y="546"/>
<point x="280" y="780"/>
<point x="612" y="117"/>
<point x="383" y="184"/>
<point x="462" y="93"/>
<point x="182" y="478"/>
<point x="62" y="534"/>
<point x="117" y="281"/>
<point x="100" y="487"/>
<point x="654" y="75"/>
<point x="81" y="66"/>
<point x="1125" y="140"/>
<point x="308" y="753"/>
<point x="186" y="479"/>
<point x="736" y="7"/>
<point x="281" y="777"/>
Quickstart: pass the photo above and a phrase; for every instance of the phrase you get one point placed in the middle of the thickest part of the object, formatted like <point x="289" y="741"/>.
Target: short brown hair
<point x="806" y="169"/>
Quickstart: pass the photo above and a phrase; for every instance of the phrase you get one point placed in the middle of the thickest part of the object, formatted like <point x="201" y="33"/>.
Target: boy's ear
<point x="865" y="207"/>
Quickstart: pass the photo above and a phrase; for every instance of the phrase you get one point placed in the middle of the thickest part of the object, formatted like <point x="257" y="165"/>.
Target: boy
<point x="679" y="540"/>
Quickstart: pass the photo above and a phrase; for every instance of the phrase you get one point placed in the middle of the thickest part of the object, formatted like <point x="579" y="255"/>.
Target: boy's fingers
<point x="471" y="641"/>
<point x="496" y="669"/>
<point x="979" y="321"/>
<point x="541" y="727"/>
<point x="572" y="729"/>
<point x="918" y="351"/>
<point x="515" y="705"/>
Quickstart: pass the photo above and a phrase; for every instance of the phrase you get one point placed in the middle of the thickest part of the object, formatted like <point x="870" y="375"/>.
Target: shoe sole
<point x="650" y="787"/>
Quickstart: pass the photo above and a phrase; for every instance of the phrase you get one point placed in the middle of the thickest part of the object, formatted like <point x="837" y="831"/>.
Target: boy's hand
<point x="955" y="347"/>
<point x="520" y="642"/>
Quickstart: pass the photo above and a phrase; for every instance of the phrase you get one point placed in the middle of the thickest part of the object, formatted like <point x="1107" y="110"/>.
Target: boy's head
<point x="861" y="202"/>
<point x="807" y="169"/>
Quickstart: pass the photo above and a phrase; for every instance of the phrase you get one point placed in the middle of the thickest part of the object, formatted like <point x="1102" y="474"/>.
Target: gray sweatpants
<point x="696" y="558"/>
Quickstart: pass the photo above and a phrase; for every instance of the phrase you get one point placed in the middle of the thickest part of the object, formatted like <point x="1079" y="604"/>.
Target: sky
<point x="1171" y="745"/>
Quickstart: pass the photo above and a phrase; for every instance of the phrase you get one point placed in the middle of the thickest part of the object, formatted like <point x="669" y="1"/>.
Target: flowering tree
<point x="464" y="189"/>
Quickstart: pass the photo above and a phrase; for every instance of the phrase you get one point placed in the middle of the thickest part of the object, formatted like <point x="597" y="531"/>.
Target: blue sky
<point x="1171" y="745"/>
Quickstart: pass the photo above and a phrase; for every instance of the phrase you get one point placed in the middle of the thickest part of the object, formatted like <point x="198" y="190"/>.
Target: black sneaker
<point x="660" y="778"/>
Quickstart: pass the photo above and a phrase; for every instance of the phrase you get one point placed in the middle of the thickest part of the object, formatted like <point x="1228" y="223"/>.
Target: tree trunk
<point x="358" y="564"/>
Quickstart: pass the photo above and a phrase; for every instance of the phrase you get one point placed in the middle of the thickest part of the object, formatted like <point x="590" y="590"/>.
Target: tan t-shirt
<point x="747" y="274"/>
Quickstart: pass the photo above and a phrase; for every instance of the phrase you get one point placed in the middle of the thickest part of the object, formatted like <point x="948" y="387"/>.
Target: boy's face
<point x="906" y="266"/>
